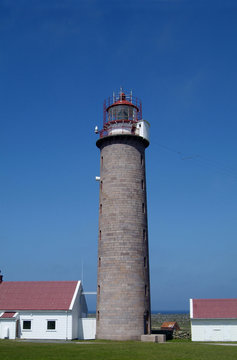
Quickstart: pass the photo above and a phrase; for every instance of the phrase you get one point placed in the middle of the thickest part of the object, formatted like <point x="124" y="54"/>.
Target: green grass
<point x="101" y="350"/>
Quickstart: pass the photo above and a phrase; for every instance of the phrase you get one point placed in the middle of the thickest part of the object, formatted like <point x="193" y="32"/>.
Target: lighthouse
<point x="123" y="286"/>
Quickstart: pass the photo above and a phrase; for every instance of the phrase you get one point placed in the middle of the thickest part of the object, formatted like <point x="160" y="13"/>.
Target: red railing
<point x="126" y="124"/>
<point x="128" y="96"/>
<point x="123" y="128"/>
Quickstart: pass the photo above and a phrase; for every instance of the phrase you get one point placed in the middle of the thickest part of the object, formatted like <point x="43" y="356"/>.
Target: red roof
<point x="36" y="295"/>
<point x="170" y="325"/>
<point x="8" y="315"/>
<point x="214" y="308"/>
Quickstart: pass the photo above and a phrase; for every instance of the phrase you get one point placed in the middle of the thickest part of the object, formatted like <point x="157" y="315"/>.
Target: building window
<point x="101" y="185"/>
<point x="51" y="325"/>
<point x="141" y="160"/>
<point x="146" y="290"/>
<point x="102" y="160"/>
<point x="142" y="184"/>
<point x="99" y="261"/>
<point x="144" y="235"/>
<point x="98" y="315"/>
<point x="26" y="325"/>
<point x="143" y="208"/>
<point x="100" y="208"/>
<point x="100" y="235"/>
<point x="98" y="291"/>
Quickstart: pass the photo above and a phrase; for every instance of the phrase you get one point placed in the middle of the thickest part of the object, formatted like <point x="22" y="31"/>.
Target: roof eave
<point x="75" y="295"/>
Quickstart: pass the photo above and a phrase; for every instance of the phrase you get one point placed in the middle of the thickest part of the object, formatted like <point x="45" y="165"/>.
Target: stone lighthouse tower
<point x="123" y="287"/>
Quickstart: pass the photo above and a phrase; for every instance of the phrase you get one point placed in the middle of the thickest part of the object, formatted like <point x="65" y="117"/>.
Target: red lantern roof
<point x="122" y="101"/>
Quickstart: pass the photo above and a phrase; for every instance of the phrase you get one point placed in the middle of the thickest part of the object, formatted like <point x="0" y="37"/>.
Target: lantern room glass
<point x="122" y="112"/>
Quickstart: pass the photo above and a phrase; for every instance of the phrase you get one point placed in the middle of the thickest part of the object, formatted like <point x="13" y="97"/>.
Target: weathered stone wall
<point x="123" y="291"/>
<point x="182" y="334"/>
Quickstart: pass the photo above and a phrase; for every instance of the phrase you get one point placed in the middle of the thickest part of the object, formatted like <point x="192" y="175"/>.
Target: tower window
<point x="101" y="185"/>
<point x="100" y="208"/>
<point x="98" y="315"/>
<point x="146" y="290"/>
<point x="99" y="261"/>
<point x="142" y="184"/>
<point x="98" y="290"/>
<point x="145" y="261"/>
<point x="141" y="159"/>
<point x="101" y="161"/>
<point x="143" y="208"/>
<point x="100" y="235"/>
<point x="144" y="235"/>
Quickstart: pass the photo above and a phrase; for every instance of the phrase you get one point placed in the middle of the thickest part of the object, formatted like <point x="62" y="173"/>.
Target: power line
<point x="202" y="160"/>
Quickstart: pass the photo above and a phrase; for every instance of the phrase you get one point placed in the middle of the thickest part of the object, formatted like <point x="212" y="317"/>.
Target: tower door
<point x="146" y="322"/>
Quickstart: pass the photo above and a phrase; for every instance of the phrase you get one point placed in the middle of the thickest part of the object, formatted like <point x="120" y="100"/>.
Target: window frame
<point x="51" y="321"/>
<point x="23" y="325"/>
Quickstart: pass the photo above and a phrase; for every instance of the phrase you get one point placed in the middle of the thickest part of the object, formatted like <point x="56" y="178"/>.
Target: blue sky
<point x="58" y="61"/>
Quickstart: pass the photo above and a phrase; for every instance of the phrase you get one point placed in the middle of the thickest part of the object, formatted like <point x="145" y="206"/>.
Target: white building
<point x="213" y="319"/>
<point x="44" y="310"/>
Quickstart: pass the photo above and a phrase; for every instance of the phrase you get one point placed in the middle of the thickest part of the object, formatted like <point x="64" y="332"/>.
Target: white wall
<point x="214" y="330"/>
<point x="143" y="129"/>
<point x="87" y="328"/>
<point x="79" y="309"/>
<point x="8" y="328"/>
<point x="75" y="316"/>
<point x="39" y="325"/>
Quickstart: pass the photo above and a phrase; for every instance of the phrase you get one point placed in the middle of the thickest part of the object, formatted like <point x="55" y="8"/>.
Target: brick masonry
<point x="123" y="288"/>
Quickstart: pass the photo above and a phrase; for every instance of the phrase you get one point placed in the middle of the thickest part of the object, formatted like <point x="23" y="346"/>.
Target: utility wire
<point x="202" y="160"/>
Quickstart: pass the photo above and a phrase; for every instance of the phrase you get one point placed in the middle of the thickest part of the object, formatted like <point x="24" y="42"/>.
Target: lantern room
<point x="123" y="110"/>
<point x="123" y="115"/>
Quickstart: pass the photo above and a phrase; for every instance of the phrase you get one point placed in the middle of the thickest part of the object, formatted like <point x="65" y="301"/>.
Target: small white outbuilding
<point x="44" y="310"/>
<point x="213" y="319"/>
